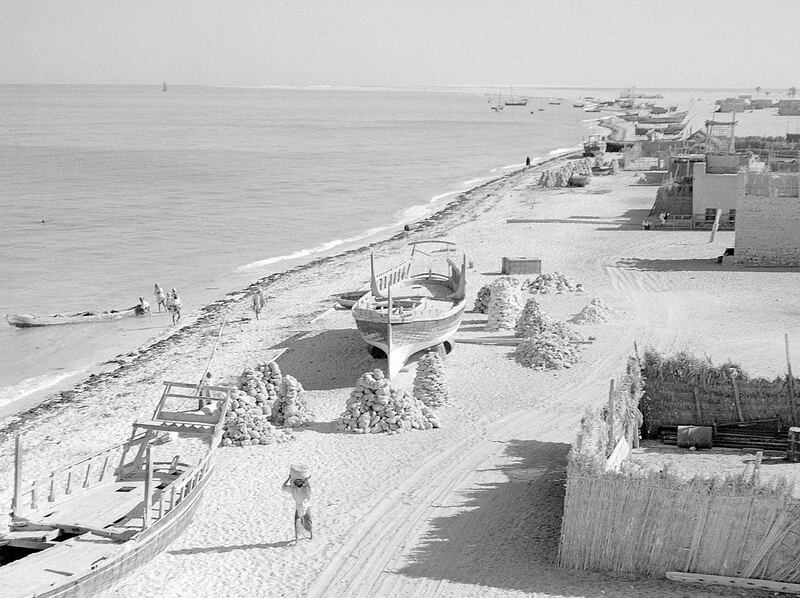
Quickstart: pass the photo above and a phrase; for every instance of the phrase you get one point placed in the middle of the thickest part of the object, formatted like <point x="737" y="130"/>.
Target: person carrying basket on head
<point x="298" y="485"/>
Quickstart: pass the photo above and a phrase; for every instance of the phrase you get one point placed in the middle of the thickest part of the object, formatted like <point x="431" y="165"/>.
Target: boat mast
<point x="17" y="475"/>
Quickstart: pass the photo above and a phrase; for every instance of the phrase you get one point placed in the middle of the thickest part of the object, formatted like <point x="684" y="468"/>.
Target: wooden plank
<point x="735" y="582"/>
<point x="502" y="341"/>
<point x="148" y="489"/>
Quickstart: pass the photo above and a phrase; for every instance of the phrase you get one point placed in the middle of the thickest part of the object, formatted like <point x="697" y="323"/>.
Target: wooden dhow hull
<point x="408" y="336"/>
<point x="404" y="313"/>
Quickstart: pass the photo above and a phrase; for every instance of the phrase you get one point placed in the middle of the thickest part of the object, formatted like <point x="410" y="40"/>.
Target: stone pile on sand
<point x="430" y="385"/>
<point x="551" y="349"/>
<point x="376" y="406"/>
<point x="559" y="177"/>
<point x="482" y="300"/>
<point x="248" y="423"/>
<point x="262" y="382"/>
<point x="505" y="305"/>
<point x="552" y="283"/>
<point x="531" y="321"/>
<point x="596" y="312"/>
<point x="290" y="409"/>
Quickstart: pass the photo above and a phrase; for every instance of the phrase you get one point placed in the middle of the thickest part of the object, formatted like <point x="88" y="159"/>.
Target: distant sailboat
<point x="164" y="86"/>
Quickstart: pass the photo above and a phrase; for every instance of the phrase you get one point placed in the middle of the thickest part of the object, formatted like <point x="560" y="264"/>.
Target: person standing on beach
<point x="298" y="485"/>
<point x="528" y="161"/>
<point x="174" y="306"/>
<point x="143" y="307"/>
<point x="160" y="298"/>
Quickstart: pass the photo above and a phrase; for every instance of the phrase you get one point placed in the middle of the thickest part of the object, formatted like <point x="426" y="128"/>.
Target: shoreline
<point x="14" y="415"/>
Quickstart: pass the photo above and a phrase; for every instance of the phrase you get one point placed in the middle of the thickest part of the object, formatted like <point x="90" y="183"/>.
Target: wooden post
<point x="148" y="489"/>
<point x="172" y="498"/>
<point x="17" y="475"/>
<point x="697" y="405"/>
<point x="88" y="474"/>
<point x="105" y="466"/>
<point x="736" y="396"/>
<point x="69" y="482"/>
<point x="611" y="437"/>
<point x="790" y="381"/>
<point x="52" y="496"/>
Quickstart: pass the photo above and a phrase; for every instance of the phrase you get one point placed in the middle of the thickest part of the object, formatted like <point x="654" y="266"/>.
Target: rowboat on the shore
<point x="349" y="298"/>
<point x="412" y="306"/>
<point x="675" y="117"/>
<point x="83" y="527"/>
<point x="30" y="320"/>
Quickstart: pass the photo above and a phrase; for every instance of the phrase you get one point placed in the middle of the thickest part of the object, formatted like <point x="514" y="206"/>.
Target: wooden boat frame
<point x="396" y="325"/>
<point x="164" y="509"/>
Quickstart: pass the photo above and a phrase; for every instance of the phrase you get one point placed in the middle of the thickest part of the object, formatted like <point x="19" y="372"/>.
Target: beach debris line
<point x="505" y="305"/>
<point x="430" y="384"/>
<point x="376" y="406"/>
<point x="291" y="409"/>
<point x="596" y="312"/>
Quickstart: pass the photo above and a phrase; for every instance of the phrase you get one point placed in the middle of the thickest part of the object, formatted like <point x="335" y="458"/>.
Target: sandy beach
<point x="472" y="508"/>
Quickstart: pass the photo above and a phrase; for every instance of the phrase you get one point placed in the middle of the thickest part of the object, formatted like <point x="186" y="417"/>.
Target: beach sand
<point x="472" y="508"/>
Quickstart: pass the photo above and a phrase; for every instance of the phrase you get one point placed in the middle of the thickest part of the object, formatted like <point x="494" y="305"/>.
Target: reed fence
<point x="618" y="517"/>
<point x="683" y="390"/>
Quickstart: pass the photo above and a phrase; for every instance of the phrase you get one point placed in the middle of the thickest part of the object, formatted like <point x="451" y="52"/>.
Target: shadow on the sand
<point x="221" y="549"/>
<point x="327" y="359"/>
<point x="692" y="265"/>
<point x="320" y="427"/>
<point x="493" y="541"/>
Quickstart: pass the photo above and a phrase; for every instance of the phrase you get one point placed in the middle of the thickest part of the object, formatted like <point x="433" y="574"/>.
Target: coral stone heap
<point x="291" y="409"/>
<point x="551" y="349"/>
<point x="531" y="321"/>
<point x="553" y="283"/>
<point x="505" y="305"/>
<point x="247" y="423"/>
<point x="430" y="385"/>
<point x="376" y="406"/>
<point x="597" y="312"/>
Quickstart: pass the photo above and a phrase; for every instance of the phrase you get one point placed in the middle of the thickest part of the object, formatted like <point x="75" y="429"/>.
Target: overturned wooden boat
<point x="411" y="306"/>
<point x="30" y="320"/>
<point x="83" y="527"/>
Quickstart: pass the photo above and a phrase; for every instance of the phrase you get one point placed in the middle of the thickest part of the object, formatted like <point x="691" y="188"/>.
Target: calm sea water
<point x="208" y="189"/>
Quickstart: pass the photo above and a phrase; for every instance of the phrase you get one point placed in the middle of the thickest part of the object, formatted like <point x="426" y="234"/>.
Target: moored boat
<point x="410" y="307"/>
<point x="31" y="320"/>
<point x="83" y="527"/>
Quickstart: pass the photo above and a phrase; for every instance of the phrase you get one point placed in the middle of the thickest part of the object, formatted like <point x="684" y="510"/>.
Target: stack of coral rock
<point x="553" y="283"/>
<point x="248" y="423"/>
<point x="430" y="385"/>
<point x="531" y="321"/>
<point x="248" y="419"/>
<point x="551" y="349"/>
<point x="290" y="409"/>
<point x="559" y="177"/>
<point x="505" y="305"/>
<point x="482" y="300"/>
<point x="376" y="406"/>
<point x="596" y="312"/>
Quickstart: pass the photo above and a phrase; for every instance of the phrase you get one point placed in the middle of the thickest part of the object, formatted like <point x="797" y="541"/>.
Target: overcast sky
<point x="685" y="43"/>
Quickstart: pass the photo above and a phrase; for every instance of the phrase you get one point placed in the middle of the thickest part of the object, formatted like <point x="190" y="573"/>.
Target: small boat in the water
<point x="554" y="102"/>
<point x="30" y="320"/>
<point x="164" y="86"/>
<point x="414" y="305"/>
<point x="80" y="529"/>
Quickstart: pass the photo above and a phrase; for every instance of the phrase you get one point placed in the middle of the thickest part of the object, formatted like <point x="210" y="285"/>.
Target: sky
<point x="403" y="43"/>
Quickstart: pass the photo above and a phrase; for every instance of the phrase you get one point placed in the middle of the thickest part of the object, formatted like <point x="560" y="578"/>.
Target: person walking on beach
<point x="174" y="306"/>
<point x="160" y="298"/>
<point x="528" y="161"/>
<point x="299" y="487"/>
<point x="258" y="301"/>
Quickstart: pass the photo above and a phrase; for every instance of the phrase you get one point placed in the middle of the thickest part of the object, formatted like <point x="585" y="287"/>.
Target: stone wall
<point x="768" y="231"/>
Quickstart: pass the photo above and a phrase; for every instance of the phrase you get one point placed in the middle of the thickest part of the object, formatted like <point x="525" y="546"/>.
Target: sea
<point x="106" y="190"/>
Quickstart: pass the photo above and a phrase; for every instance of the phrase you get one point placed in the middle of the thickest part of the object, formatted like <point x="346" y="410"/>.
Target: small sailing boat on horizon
<point x="164" y="86"/>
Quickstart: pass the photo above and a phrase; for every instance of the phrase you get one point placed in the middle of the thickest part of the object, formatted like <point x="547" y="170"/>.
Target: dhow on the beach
<point x="415" y="304"/>
<point x="33" y="321"/>
<point x="85" y="526"/>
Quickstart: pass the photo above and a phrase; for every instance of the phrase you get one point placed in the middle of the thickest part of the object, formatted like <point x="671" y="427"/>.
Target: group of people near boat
<point x="171" y="302"/>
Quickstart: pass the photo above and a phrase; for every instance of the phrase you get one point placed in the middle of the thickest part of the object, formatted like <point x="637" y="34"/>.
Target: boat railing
<point x="69" y="480"/>
<point x="385" y="279"/>
<point x="163" y="501"/>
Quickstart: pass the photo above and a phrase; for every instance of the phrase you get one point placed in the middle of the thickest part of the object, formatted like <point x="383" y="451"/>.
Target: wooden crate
<point x="521" y="265"/>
